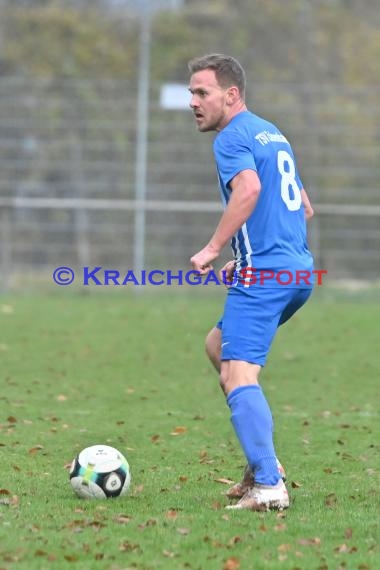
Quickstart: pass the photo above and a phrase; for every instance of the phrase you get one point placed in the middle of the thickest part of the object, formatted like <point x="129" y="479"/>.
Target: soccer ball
<point x="100" y="472"/>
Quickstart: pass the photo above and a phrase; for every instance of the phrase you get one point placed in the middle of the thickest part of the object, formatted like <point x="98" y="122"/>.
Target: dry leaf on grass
<point x="61" y="398"/>
<point x="34" y="449"/>
<point x="331" y="500"/>
<point x="309" y="541"/>
<point x="224" y="481"/>
<point x="122" y="519"/>
<point x="348" y="533"/>
<point x="232" y="563"/>
<point x="179" y="430"/>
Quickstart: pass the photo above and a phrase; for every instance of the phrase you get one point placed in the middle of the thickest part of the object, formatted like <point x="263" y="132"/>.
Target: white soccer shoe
<point x="264" y="498"/>
<point x="239" y="489"/>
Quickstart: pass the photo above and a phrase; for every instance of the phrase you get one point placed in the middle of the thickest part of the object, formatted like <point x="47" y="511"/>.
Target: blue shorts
<point x="251" y="318"/>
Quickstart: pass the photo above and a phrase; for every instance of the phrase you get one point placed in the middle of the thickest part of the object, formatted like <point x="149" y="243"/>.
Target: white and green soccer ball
<point x="100" y="472"/>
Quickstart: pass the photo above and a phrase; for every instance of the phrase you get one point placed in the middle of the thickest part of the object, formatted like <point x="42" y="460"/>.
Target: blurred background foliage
<point x="287" y="40"/>
<point x="69" y="74"/>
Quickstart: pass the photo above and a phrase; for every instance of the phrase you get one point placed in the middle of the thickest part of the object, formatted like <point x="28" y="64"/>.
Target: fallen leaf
<point x="348" y="533"/>
<point x="331" y="500"/>
<point x="12" y="420"/>
<point x="4" y="492"/>
<point x="263" y="528"/>
<point x="97" y="525"/>
<point x="36" y="448"/>
<point x="296" y="485"/>
<point x="231" y="564"/>
<point x="183" y="531"/>
<point x="61" y="398"/>
<point x="171" y="514"/>
<point x="14" y="501"/>
<point x="168" y="553"/>
<point x="137" y="490"/>
<point x="40" y="553"/>
<point x="149" y="522"/>
<point x="128" y="546"/>
<point x="284" y="547"/>
<point x="224" y="481"/>
<point x="341" y="548"/>
<point x="183" y="478"/>
<point x="279" y="527"/>
<point x="71" y="557"/>
<point x="309" y="541"/>
<point x="179" y="430"/>
<point x="154" y="438"/>
<point x="122" y="519"/>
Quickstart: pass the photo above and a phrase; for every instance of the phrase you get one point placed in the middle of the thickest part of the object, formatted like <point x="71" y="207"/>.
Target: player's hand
<point x="226" y="274"/>
<point x="202" y="261"/>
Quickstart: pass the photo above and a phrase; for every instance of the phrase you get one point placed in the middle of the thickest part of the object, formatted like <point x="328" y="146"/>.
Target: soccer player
<point x="265" y="214"/>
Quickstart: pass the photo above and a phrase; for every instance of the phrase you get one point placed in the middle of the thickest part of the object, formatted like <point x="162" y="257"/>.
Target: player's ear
<point x="232" y="95"/>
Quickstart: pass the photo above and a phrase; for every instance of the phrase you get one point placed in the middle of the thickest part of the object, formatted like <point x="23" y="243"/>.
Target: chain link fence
<point x="68" y="164"/>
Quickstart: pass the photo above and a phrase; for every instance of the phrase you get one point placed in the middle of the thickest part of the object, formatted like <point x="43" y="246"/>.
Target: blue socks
<point x="252" y="420"/>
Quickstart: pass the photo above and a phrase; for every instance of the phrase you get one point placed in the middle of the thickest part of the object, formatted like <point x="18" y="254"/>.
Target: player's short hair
<point x="228" y="70"/>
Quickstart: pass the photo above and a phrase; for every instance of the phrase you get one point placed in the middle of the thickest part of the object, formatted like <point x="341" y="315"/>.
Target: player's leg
<point x="249" y="325"/>
<point x="213" y="346"/>
<point x="213" y="351"/>
<point x="250" y="412"/>
<point x="251" y="418"/>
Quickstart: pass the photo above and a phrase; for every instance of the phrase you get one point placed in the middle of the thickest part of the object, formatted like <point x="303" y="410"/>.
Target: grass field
<point x="129" y="371"/>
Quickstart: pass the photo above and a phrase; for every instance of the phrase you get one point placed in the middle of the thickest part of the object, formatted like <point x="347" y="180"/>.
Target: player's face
<point x="208" y="101"/>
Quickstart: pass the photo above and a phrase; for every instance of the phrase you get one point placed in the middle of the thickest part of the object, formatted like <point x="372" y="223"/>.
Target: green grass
<point x="127" y="371"/>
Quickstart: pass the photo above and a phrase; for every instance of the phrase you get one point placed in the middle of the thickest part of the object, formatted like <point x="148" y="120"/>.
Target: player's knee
<point x="212" y="347"/>
<point x="223" y="379"/>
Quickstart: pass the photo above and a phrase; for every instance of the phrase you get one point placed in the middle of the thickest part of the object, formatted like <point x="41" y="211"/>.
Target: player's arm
<point x="245" y="188"/>
<point x="309" y="212"/>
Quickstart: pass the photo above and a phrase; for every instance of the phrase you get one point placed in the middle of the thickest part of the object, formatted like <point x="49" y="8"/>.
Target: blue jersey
<point x="274" y="236"/>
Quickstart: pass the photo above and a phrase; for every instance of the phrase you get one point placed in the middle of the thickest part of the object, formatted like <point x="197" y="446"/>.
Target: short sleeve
<point x="232" y="155"/>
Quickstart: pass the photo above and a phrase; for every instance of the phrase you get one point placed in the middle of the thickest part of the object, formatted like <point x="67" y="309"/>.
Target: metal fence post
<point x="5" y="249"/>
<point x="142" y="142"/>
